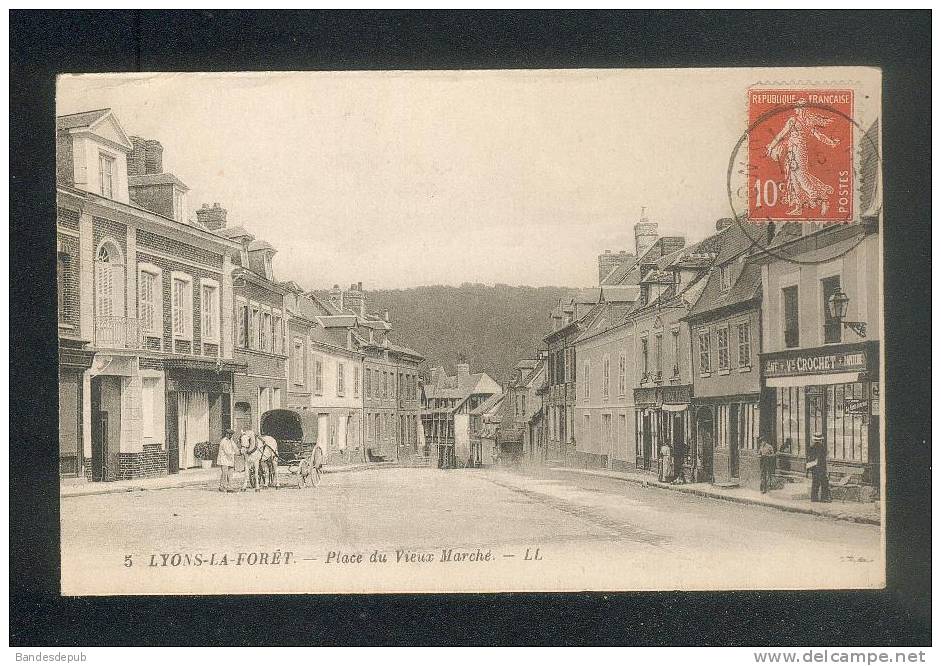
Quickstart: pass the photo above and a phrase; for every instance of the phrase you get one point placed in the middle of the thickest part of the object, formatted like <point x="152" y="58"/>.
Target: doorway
<point x="679" y="442"/>
<point x="105" y="427"/>
<point x="646" y="425"/>
<point x="705" y="437"/>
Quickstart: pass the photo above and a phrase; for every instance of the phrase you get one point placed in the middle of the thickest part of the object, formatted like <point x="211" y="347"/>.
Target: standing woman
<point x="316" y="458"/>
<point x="226" y="460"/>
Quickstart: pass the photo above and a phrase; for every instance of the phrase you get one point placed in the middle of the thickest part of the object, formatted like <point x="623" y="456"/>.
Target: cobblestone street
<point x="591" y="533"/>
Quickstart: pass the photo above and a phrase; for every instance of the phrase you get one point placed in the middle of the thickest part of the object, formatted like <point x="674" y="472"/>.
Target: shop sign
<point x="856" y="406"/>
<point x="655" y="396"/>
<point x="816" y="362"/>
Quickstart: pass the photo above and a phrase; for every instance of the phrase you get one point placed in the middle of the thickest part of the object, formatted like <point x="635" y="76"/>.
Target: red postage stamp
<point x="800" y="152"/>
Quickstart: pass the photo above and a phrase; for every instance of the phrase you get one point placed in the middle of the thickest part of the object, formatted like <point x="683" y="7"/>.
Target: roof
<point x="81" y="119"/>
<point x="460" y="387"/>
<point x="402" y="349"/>
<point x="610" y="316"/>
<point x="620" y="293"/>
<point x="491" y="403"/>
<point x="618" y="274"/>
<point x="237" y="232"/>
<point x="156" y="179"/>
<point x="334" y="321"/>
<point x="259" y="245"/>
<point x="589" y="296"/>
<point x="746" y="287"/>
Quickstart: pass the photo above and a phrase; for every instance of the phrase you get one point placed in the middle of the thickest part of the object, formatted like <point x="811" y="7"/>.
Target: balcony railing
<point x="117" y="333"/>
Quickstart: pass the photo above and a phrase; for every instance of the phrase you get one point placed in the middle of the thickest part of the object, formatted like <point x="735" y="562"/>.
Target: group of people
<point x="671" y="467"/>
<point x="257" y="457"/>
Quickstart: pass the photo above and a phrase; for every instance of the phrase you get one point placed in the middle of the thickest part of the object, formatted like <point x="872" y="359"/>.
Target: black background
<point x="43" y="44"/>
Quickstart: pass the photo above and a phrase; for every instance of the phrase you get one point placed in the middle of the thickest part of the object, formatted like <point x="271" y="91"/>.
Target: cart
<point x="296" y="434"/>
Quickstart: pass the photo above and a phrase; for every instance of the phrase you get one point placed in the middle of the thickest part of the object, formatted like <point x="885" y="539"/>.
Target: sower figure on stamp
<point x="817" y="466"/>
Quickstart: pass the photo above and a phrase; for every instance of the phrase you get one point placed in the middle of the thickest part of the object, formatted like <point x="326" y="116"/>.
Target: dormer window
<point x="106" y="175"/>
<point x="725" y="277"/>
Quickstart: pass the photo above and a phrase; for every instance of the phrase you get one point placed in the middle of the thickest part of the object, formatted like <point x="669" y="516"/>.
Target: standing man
<point x="767" y="463"/>
<point x="817" y="466"/>
<point x="226" y="460"/>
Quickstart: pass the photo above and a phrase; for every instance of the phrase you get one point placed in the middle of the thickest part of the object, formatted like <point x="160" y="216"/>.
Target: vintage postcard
<point x="470" y="331"/>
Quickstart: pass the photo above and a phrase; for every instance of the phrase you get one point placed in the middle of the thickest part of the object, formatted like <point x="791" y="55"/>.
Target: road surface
<point x="402" y="529"/>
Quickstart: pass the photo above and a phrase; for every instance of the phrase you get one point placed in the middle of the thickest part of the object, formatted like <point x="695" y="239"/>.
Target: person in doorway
<point x="817" y="466"/>
<point x="226" y="460"/>
<point x="767" y="462"/>
<point x="666" y="462"/>
<point x="679" y="469"/>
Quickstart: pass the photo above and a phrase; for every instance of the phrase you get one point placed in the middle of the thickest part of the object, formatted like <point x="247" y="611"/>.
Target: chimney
<point x="355" y="299"/>
<point x="336" y="296"/>
<point x="136" y="158"/>
<point x="148" y="186"/>
<point x="153" y="156"/>
<point x="645" y="234"/>
<point x="609" y="262"/>
<point x="212" y="218"/>
<point x="385" y="315"/>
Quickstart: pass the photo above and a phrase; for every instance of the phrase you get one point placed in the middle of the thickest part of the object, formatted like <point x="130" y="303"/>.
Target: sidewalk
<point x="869" y="513"/>
<point x="186" y="478"/>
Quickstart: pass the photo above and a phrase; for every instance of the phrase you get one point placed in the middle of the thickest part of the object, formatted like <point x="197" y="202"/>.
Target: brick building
<point x="258" y="317"/>
<point x="144" y="299"/>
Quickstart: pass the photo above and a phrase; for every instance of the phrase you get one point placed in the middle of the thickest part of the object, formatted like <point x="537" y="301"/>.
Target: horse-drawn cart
<point x="296" y="434"/>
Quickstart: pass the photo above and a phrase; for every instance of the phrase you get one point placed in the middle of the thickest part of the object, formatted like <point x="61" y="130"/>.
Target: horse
<point x="251" y="452"/>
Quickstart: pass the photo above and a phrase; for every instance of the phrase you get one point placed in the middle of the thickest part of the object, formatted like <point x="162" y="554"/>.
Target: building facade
<point x="447" y="404"/>
<point x="818" y="374"/>
<point x="151" y="296"/>
<point x="725" y="332"/>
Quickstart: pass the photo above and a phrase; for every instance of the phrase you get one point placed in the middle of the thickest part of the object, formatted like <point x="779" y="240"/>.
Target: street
<point x="406" y="529"/>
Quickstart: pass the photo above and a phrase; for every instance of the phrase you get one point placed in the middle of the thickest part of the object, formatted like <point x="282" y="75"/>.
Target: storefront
<point x="727" y="430"/>
<point x="662" y="417"/>
<point x="74" y="360"/>
<point x="832" y="390"/>
<point x="198" y="408"/>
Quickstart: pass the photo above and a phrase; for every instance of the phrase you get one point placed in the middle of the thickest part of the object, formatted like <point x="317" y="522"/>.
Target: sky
<point x="399" y="179"/>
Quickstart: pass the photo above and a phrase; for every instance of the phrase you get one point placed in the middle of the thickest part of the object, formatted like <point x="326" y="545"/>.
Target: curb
<point x="865" y="520"/>
<point x="190" y="484"/>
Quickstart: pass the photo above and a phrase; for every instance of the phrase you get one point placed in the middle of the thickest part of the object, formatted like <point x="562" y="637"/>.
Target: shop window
<point x="832" y="329"/>
<point x="791" y="322"/>
<point x="789" y="420"/>
<point x="847" y="421"/>
<point x="722" y="347"/>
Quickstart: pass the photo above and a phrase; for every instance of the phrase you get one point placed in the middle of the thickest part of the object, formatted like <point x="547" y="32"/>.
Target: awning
<point x="813" y="380"/>
<point x="674" y="408"/>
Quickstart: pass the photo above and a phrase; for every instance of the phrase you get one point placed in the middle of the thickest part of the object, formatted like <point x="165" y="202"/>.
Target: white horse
<point x="251" y="451"/>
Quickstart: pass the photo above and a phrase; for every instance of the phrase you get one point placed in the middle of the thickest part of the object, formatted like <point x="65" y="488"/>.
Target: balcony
<point x="117" y="333"/>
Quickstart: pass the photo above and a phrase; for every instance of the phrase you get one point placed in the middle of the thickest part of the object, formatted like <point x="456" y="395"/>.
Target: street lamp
<point x="837" y="305"/>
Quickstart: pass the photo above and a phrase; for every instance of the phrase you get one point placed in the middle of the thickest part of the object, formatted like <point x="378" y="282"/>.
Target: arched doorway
<point x="705" y="438"/>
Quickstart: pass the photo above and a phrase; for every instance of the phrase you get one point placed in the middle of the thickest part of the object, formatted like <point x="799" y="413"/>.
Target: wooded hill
<point x="491" y="326"/>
